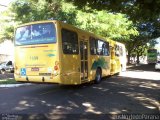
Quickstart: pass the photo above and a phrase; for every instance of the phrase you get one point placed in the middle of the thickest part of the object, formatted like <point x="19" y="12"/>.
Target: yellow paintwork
<point x="117" y="61"/>
<point x="35" y="56"/>
<point x="32" y="57"/>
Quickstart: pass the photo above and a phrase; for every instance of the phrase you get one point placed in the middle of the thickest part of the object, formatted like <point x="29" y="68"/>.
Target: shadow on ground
<point x="143" y="67"/>
<point x="114" y="95"/>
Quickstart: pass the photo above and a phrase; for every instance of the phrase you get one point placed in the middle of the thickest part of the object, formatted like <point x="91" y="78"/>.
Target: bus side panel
<point x="102" y="62"/>
<point x="70" y="63"/>
<point x="106" y="70"/>
<point x="70" y="69"/>
<point x="98" y="61"/>
<point x="117" y="64"/>
<point x="118" y="60"/>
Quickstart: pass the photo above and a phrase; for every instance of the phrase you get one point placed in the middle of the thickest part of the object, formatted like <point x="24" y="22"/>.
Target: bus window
<point x="42" y="33"/>
<point x="99" y="48"/>
<point x="93" y="46"/>
<point x="117" y="51"/>
<point x="69" y="42"/>
<point x="105" y="48"/>
<point x="121" y="51"/>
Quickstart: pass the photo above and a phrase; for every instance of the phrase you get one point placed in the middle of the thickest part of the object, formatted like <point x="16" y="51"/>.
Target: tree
<point x="143" y="13"/>
<point x="103" y="23"/>
<point x="138" y="10"/>
<point x="116" y="26"/>
<point x="23" y="11"/>
<point x="7" y="26"/>
<point x="34" y="10"/>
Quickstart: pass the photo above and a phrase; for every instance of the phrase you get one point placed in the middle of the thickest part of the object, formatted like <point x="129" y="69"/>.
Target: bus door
<point x="112" y="51"/>
<point x="84" y="60"/>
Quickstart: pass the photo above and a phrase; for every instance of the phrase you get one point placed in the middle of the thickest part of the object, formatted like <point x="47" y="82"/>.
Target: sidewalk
<point x="10" y="76"/>
<point x="15" y="85"/>
<point x="135" y="64"/>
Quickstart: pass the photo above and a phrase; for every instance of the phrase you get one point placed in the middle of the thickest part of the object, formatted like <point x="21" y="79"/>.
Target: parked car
<point x="6" y="67"/>
<point x="157" y="66"/>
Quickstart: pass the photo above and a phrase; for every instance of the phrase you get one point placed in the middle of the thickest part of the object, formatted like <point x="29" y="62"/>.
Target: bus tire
<point x="98" y="76"/>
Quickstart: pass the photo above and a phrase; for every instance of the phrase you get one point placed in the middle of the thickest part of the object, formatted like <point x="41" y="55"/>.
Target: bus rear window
<point x="42" y="33"/>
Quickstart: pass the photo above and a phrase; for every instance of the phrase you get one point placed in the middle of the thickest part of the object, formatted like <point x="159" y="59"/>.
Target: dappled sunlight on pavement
<point x="149" y="103"/>
<point x="90" y="108"/>
<point x="135" y="91"/>
<point x="141" y="75"/>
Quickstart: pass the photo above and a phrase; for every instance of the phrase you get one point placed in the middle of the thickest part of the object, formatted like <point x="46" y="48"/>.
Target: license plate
<point x="34" y="69"/>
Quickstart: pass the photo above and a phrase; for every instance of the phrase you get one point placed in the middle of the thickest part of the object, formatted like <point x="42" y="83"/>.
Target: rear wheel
<point x="98" y="76"/>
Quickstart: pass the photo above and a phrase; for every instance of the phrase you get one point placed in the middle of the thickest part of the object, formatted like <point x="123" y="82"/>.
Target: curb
<point x="15" y="85"/>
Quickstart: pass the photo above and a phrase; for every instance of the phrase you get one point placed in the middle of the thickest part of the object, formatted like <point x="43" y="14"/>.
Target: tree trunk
<point x="138" y="58"/>
<point x="128" y="57"/>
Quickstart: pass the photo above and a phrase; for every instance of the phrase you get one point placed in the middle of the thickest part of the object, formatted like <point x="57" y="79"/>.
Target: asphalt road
<point x="136" y="91"/>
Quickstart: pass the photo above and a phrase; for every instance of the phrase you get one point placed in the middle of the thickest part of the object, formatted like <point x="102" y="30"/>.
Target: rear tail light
<point x="17" y="71"/>
<point x="56" y="67"/>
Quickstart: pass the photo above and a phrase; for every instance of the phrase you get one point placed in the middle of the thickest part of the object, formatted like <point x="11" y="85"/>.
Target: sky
<point x="158" y="40"/>
<point x="4" y="2"/>
<point x="158" y="45"/>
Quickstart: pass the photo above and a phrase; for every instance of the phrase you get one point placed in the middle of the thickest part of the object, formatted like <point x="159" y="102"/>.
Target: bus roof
<point x="36" y="22"/>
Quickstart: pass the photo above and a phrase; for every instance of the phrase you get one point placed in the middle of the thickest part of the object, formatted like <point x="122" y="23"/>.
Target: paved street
<point x="126" y="93"/>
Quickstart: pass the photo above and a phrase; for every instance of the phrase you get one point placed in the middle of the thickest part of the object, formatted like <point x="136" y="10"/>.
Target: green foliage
<point x="7" y="26"/>
<point x="103" y="23"/>
<point x="137" y="10"/>
<point x="115" y="26"/>
<point x="144" y="13"/>
<point x="8" y="81"/>
<point x="34" y="10"/>
<point x="23" y="11"/>
<point x="152" y="43"/>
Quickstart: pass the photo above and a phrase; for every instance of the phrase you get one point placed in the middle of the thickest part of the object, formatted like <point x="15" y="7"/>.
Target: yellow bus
<point x="118" y="57"/>
<point x="56" y="52"/>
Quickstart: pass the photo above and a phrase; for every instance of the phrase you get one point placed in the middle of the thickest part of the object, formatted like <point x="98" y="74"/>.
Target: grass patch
<point x="8" y="81"/>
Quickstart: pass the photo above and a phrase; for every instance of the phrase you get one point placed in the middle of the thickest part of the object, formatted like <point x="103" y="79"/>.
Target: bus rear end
<point x="152" y="56"/>
<point x="36" y="53"/>
<point x="118" y="57"/>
